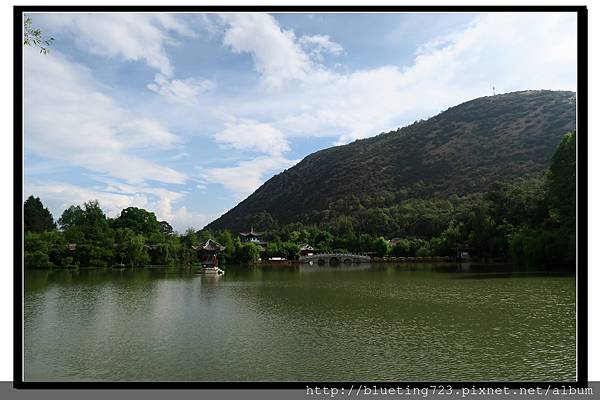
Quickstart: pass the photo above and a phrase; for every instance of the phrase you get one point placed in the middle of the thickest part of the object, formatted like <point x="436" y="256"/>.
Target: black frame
<point x="582" y="211"/>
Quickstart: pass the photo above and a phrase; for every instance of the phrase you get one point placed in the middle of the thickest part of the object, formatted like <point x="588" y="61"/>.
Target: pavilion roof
<point x="251" y="233"/>
<point x="210" y="245"/>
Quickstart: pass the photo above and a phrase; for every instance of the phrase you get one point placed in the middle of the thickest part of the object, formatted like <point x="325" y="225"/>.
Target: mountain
<point x="460" y="151"/>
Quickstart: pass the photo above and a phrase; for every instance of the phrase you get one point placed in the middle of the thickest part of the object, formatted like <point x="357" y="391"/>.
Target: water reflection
<point x="359" y="322"/>
<point x="329" y="267"/>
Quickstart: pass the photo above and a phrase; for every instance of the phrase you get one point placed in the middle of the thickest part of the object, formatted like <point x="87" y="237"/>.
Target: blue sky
<point x="187" y="114"/>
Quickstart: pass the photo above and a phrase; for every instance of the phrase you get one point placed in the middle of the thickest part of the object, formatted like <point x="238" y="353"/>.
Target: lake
<point x="379" y="322"/>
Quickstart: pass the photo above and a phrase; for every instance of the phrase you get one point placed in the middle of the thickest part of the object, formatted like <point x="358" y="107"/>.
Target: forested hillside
<point x="495" y="177"/>
<point x="459" y="153"/>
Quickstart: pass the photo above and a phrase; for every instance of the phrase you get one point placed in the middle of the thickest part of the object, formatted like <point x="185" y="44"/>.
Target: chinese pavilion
<point x="208" y="253"/>
<point x="253" y="237"/>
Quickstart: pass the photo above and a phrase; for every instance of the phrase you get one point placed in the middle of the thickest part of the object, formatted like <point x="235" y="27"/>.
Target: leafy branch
<point x="34" y="37"/>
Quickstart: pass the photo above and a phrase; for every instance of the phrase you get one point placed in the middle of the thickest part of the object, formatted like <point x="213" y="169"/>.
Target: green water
<point x="362" y="323"/>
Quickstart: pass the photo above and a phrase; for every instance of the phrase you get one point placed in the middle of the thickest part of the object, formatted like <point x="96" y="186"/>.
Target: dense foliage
<point x="462" y="151"/>
<point x="87" y="238"/>
<point x="554" y="240"/>
<point x="530" y="221"/>
<point x="36" y="217"/>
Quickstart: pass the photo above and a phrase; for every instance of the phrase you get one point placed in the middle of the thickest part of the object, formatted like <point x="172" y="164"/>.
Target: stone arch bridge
<point x="335" y="258"/>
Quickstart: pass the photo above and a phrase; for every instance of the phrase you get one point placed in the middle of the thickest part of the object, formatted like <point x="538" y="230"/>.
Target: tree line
<point x="85" y="237"/>
<point x="530" y="221"/>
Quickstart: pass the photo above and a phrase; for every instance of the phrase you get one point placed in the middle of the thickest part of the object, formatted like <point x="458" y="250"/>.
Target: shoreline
<point x="285" y="263"/>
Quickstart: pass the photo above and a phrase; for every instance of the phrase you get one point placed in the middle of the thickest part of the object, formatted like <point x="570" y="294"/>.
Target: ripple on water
<point x="367" y="325"/>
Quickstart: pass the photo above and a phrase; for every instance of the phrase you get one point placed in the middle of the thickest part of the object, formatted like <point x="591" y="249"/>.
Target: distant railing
<point x="340" y="257"/>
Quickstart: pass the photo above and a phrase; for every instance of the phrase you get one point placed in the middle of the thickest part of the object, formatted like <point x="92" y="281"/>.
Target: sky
<point x="186" y="115"/>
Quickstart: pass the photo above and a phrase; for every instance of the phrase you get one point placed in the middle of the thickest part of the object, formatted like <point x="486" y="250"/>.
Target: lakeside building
<point x="307" y="250"/>
<point x="208" y="252"/>
<point x="253" y="237"/>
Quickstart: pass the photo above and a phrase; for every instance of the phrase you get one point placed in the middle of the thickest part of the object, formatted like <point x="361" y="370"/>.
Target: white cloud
<point x="277" y="56"/>
<point x="246" y="176"/>
<point x="184" y="91"/>
<point x="60" y="195"/>
<point x="211" y="23"/>
<point x="140" y="133"/>
<point x="135" y="37"/>
<point x="351" y="106"/>
<point x="511" y="51"/>
<point x="319" y="44"/>
<point x="131" y="37"/>
<point x="113" y="197"/>
<point x="253" y="135"/>
<point x="68" y="118"/>
<point x="180" y="217"/>
<point x="164" y="203"/>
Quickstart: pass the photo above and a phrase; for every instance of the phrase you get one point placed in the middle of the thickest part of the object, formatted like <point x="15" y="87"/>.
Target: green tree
<point x="189" y="242"/>
<point x="204" y="235"/>
<point x="37" y="260"/>
<point x="37" y="251"/>
<point x="342" y="225"/>
<point x="87" y="227"/>
<point x="90" y="219"/>
<point x="520" y="202"/>
<point x="263" y="221"/>
<point x="166" y="228"/>
<point x="72" y="217"/>
<point x="401" y="248"/>
<point x="36" y="217"/>
<point x="364" y="243"/>
<point x="374" y="221"/>
<point x="416" y="245"/>
<point x="248" y="253"/>
<point x="561" y="182"/>
<point x="533" y="248"/>
<point x="290" y="250"/>
<point x="139" y="220"/>
<point x="226" y="239"/>
<point x="381" y="247"/>
<point x="123" y="245"/>
<point x="424" y="251"/>
<point x="324" y="241"/>
<point x="295" y="236"/>
<point x="446" y="243"/>
<point x="122" y="239"/>
<point x="137" y="251"/>
<point x="272" y="250"/>
<point x="57" y="248"/>
<point x="190" y="238"/>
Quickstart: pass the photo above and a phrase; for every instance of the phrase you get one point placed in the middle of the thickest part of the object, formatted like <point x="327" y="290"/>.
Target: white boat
<point x="211" y="271"/>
